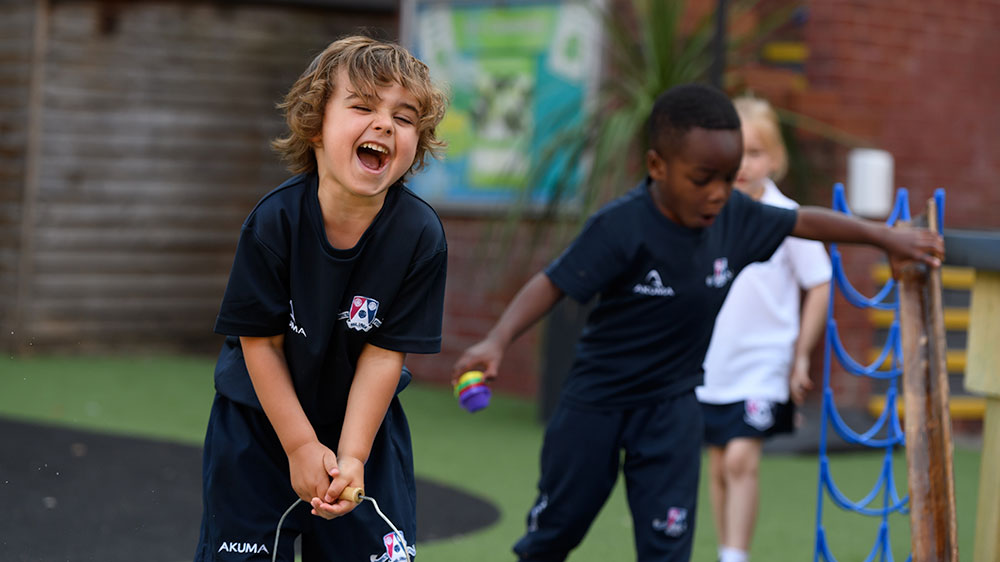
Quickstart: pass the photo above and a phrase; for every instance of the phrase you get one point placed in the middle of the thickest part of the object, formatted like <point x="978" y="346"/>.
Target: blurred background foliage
<point x="649" y="47"/>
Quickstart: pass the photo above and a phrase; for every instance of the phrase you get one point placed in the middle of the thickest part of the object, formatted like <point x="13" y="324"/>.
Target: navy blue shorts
<point x="581" y="457"/>
<point x="754" y="418"/>
<point x="246" y="489"/>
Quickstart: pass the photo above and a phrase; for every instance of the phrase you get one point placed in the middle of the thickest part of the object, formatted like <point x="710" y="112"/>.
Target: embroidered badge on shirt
<point x="721" y="274"/>
<point x="361" y="316"/>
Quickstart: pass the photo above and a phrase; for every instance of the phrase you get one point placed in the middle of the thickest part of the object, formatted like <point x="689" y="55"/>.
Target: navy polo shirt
<point x="287" y="279"/>
<point x="660" y="286"/>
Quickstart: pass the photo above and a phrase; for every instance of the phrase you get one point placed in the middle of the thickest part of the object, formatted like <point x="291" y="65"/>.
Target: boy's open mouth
<point x="373" y="156"/>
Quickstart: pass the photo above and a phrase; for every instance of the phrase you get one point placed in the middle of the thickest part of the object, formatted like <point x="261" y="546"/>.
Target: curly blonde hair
<point x="370" y="64"/>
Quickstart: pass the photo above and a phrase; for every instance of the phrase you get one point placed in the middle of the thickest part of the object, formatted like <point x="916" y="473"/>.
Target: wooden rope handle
<point x="352" y="494"/>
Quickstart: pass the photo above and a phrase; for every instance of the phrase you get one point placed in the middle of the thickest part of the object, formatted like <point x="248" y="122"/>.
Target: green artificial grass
<point x="492" y="453"/>
<point x="160" y="397"/>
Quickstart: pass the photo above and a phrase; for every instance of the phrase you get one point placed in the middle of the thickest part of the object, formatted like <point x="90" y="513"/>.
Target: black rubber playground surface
<point x="68" y="496"/>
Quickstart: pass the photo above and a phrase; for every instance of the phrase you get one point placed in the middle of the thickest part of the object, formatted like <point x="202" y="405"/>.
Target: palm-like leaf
<point x="600" y="155"/>
<point x="645" y="54"/>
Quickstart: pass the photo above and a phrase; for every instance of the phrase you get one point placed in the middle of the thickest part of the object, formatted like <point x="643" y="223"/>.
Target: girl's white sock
<point x="727" y="554"/>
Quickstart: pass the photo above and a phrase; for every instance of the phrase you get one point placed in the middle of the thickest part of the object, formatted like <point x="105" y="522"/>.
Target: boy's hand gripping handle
<point x="352" y="494"/>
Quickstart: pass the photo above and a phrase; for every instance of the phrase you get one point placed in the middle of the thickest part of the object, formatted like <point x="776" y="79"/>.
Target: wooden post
<point x="981" y="250"/>
<point x="982" y="376"/>
<point x="933" y="532"/>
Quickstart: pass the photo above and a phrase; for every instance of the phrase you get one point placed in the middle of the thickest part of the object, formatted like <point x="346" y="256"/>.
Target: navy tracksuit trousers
<point x="247" y="489"/>
<point x="581" y="458"/>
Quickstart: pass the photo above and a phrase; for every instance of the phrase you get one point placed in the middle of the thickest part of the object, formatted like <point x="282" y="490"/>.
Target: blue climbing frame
<point x="886" y="433"/>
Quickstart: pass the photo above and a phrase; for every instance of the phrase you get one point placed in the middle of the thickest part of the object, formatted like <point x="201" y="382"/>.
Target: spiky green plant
<point x="646" y="51"/>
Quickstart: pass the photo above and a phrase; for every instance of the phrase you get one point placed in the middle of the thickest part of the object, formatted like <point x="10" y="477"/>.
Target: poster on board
<point x="517" y="72"/>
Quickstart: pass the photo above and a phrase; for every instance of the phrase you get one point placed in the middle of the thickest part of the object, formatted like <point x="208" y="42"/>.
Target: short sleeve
<point x="589" y="264"/>
<point x="763" y="227"/>
<point x="256" y="299"/>
<point x="413" y="323"/>
<point x="809" y="262"/>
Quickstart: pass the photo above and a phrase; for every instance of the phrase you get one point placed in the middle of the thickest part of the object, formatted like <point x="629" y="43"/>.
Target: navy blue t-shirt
<point x="287" y="279"/>
<point x="660" y="287"/>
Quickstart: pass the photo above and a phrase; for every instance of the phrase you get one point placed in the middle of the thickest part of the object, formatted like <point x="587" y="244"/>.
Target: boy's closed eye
<point x="407" y="113"/>
<point x="401" y="118"/>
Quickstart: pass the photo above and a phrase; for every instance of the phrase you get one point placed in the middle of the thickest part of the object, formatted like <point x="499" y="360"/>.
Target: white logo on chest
<point x="291" y="323"/>
<point x="653" y="286"/>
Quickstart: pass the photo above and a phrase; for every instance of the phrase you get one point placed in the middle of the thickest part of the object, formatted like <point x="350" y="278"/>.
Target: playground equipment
<point x="917" y="328"/>
<point x="981" y="250"/>
<point x="933" y="533"/>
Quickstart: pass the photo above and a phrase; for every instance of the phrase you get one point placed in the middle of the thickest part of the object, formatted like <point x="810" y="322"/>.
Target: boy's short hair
<point x="685" y="107"/>
<point x="758" y="113"/>
<point x="370" y="63"/>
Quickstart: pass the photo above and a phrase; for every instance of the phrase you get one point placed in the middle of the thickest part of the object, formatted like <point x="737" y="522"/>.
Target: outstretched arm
<point x="533" y="301"/>
<point x="901" y="244"/>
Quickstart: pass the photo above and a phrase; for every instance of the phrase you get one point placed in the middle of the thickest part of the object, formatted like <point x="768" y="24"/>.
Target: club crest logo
<point x="721" y="274"/>
<point x="394" y="549"/>
<point x="361" y="316"/>
<point x="675" y="524"/>
<point x="758" y="414"/>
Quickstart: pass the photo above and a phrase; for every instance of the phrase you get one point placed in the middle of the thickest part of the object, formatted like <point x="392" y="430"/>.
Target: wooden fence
<point x="135" y="141"/>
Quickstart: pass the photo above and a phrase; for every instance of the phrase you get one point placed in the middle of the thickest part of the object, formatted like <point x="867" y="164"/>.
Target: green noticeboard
<point x="517" y="72"/>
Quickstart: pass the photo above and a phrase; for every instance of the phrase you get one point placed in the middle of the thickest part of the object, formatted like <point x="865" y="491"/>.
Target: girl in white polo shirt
<point x="758" y="358"/>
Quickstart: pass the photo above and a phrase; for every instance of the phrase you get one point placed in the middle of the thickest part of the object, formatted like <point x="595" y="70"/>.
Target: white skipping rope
<point x="277" y="532"/>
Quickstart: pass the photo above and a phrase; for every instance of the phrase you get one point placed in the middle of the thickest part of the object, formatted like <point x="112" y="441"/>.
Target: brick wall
<point x="920" y="79"/>
<point x="917" y="79"/>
